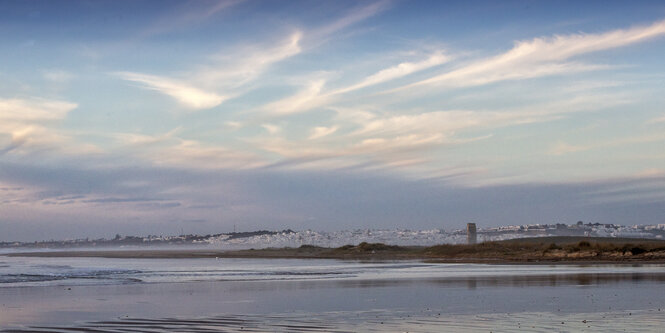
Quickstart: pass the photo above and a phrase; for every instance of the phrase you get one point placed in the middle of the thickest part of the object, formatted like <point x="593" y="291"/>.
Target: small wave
<point x="16" y="278"/>
<point x="195" y="274"/>
<point x="54" y="266"/>
<point x="121" y="275"/>
<point x="304" y="273"/>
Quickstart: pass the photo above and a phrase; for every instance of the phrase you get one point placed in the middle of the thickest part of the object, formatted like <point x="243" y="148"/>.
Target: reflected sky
<point x="391" y="287"/>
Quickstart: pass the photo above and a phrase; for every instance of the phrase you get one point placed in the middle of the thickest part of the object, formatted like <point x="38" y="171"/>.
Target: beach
<point x="68" y="294"/>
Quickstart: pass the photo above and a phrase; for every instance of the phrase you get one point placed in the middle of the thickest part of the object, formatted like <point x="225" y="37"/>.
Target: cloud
<point x="143" y="139"/>
<point x="542" y="57"/>
<point x="354" y="16"/>
<point x="227" y="74"/>
<point x="197" y="155"/>
<point x="306" y="99"/>
<point x="647" y="186"/>
<point x="313" y="94"/>
<point x="36" y="109"/>
<point x="233" y="124"/>
<point x="230" y="72"/>
<point x="186" y="14"/>
<point x="168" y="149"/>
<point x="391" y="138"/>
<point x="429" y="122"/>
<point x="651" y="173"/>
<point x="562" y="148"/>
<point x="122" y="200"/>
<point x="657" y="120"/>
<point x="58" y="75"/>
<point x="278" y="199"/>
<point x="28" y="122"/>
<point x="387" y="140"/>
<point x="398" y="71"/>
<point x="272" y="129"/>
<point x="184" y="93"/>
<point x="400" y="142"/>
<point x="450" y="122"/>
<point x="321" y="131"/>
<point x="243" y="64"/>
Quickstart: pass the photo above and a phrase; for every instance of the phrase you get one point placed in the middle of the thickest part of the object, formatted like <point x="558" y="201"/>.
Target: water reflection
<point x="309" y="287"/>
<point x="550" y="280"/>
<point x="374" y="321"/>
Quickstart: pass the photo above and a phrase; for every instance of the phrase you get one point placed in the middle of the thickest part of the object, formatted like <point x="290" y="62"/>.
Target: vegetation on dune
<point x="528" y="249"/>
<point x="309" y="247"/>
<point x="552" y="248"/>
<point x="365" y="247"/>
<point x="516" y="250"/>
<point x="547" y="248"/>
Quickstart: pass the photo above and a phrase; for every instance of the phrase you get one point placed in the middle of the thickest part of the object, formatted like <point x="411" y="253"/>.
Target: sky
<point x="169" y="117"/>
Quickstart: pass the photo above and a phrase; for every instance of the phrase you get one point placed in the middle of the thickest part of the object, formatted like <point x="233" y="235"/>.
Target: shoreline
<point x="224" y="255"/>
<point x="543" y="250"/>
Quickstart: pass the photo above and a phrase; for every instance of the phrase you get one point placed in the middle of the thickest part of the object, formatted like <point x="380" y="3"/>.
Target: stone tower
<point x="471" y="236"/>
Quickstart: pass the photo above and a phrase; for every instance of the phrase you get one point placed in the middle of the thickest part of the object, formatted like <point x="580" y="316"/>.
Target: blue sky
<point x="152" y="117"/>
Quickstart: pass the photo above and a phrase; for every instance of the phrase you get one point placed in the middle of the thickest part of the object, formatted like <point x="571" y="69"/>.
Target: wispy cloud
<point x="243" y="64"/>
<point x="272" y="129"/>
<point x="321" y="131"/>
<point x="398" y="71"/>
<point x="228" y="77"/>
<point x="169" y="149"/>
<point x="27" y="122"/>
<point x="394" y="139"/>
<point x="354" y="16"/>
<point x="37" y="109"/>
<point x="186" y="14"/>
<point x="313" y="95"/>
<point x="651" y="172"/>
<point x="184" y="93"/>
<point x="453" y="121"/>
<point x="58" y="75"/>
<point x="562" y="148"/>
<point x="656" y="120"/>
<point x="195" y="154"/>
<point x="143" y="139"/>
<point x="307" y="98"/>
<point x="542" y="57"/>
<point x="230" y="72"/>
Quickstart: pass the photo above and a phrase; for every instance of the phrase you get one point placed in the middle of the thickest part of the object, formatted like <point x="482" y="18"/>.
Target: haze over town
<point x="202" y="116"/>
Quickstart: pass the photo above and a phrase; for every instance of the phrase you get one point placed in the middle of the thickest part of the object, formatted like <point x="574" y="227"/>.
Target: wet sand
<point x="543" y="302"/>
<point x="191" y="291"/>
<point x="379" y="321"/>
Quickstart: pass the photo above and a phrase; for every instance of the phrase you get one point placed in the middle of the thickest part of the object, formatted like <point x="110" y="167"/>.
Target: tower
<point x="471" y="236"/>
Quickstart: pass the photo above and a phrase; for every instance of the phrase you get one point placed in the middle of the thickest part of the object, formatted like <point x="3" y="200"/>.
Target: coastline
<point x="544" y="250"/>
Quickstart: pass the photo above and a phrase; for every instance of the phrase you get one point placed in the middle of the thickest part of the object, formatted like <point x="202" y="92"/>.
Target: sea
<point x="325" y="295"/>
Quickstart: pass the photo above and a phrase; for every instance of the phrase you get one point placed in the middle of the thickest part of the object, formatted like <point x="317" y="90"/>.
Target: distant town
<point x="291" y="238"/>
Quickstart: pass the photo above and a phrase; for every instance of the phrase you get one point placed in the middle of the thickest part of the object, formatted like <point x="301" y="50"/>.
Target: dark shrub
<point x="584" y="244"/>
<point x="364" y="246"/>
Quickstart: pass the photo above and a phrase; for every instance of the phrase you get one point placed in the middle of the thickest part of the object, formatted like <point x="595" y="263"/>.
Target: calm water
<point x="117" y="295"/>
